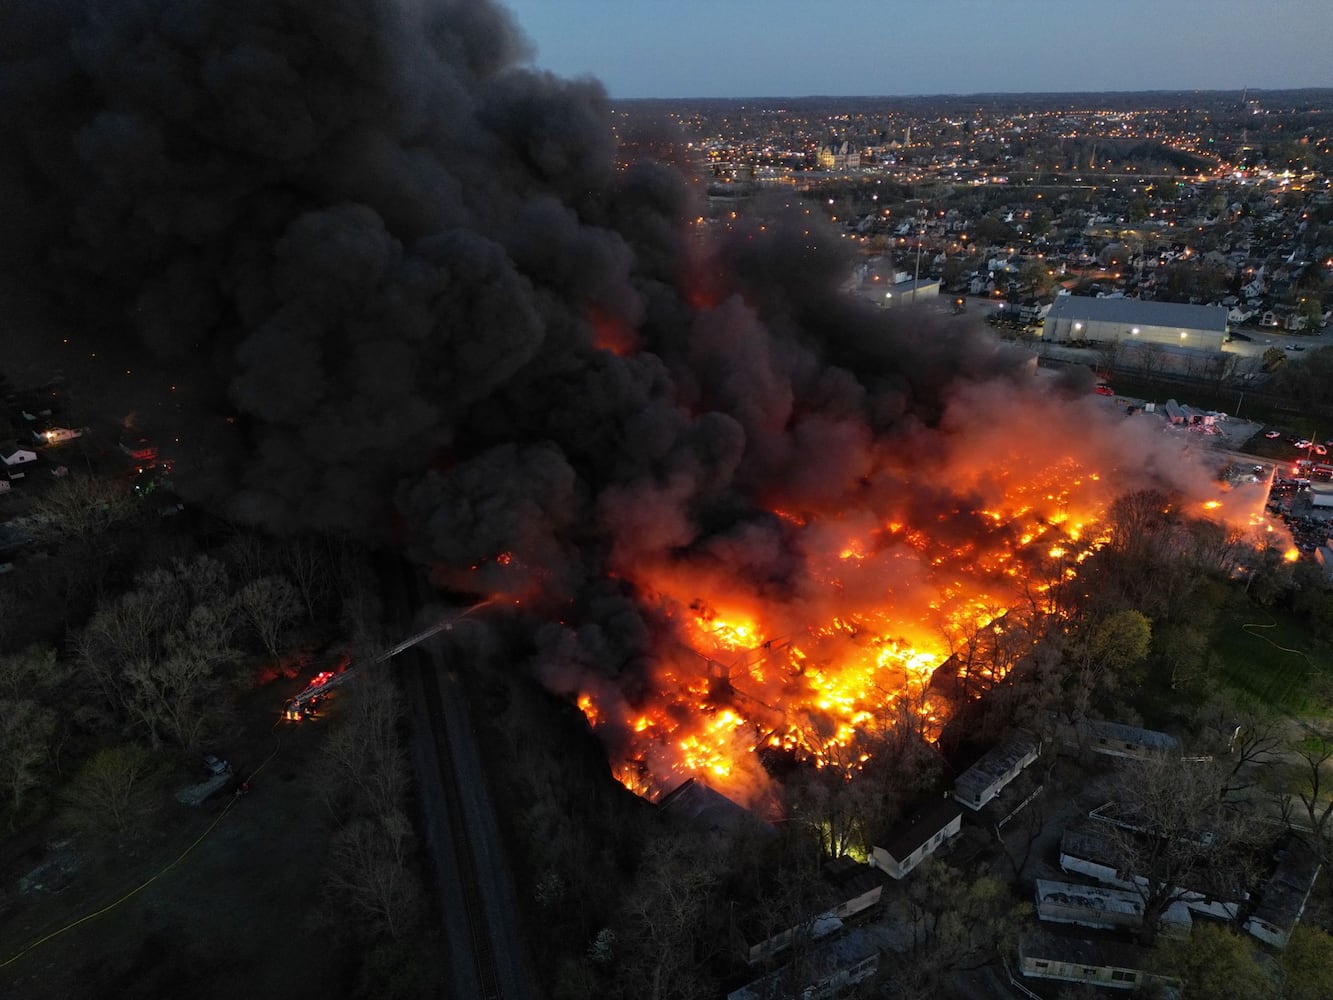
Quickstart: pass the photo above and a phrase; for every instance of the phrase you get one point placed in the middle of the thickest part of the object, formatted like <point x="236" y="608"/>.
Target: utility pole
<point x="916" y="276"/>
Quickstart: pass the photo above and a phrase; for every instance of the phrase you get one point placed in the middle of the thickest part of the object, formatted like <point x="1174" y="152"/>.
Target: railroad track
<point x="473" y="901"/>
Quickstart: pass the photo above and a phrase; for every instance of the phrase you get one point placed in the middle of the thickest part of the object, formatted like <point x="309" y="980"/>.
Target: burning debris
<point x="398" y="287"/>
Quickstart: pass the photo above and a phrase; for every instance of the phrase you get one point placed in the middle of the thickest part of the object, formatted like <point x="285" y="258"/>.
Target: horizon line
<point x="986" y="93"/>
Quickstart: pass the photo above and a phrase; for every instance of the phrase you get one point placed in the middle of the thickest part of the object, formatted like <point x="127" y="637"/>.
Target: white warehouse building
<point x="1075" y="317"/>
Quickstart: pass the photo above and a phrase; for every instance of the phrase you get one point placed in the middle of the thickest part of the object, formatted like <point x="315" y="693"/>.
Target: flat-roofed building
<point x="1130" y="321"/>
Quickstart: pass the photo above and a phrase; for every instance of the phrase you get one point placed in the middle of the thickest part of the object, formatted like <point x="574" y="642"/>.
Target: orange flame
<point x="822" y="660"/>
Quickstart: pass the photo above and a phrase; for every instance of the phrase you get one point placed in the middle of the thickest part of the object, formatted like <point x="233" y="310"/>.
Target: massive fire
<point x="837" y="640"/>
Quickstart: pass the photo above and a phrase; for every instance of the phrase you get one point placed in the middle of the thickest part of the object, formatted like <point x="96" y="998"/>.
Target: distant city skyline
<point x="786" y="48"/>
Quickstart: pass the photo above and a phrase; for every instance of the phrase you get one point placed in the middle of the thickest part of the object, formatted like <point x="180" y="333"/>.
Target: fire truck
<point x="326" y="681"/>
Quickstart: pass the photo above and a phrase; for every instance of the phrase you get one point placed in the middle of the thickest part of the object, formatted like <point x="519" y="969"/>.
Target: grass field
<point x="1271" y="656"/>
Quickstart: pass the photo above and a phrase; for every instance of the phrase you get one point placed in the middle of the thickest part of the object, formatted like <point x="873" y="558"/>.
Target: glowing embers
<point x="827" y="661"/>
<point x="811" y="634"/>
<point x="820" y="695"/>
<point x="729" y="633"/>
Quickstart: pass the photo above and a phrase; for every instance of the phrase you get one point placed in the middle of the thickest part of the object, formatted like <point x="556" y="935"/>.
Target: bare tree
<point x="1222" y="368"/>
<point x="1244" y="740"/>
<point x="365" y="762"/>
<point x="160" y="651"/>
<point x="80" y="506"/>
<point x="1023" y="834"/>
<point x="1150" y="357"/>
<point x="123" y="631"/>
<point x="1109" y="356"/>
<point x="204" y="578"/>
<point x="175" y="697"/>
<point x="370" y="871"/>
<point x="664" y="924"/>
<point x="268" y="605"/>
<point x="107" y="792"/>
<point x="32" y="669"/>
<point x="306" y="562"/>
<point x="249" y="553"/>
<point x="26" y="729"/>
<point x="1172" y="834"/>
<point x="1315" y="752"/>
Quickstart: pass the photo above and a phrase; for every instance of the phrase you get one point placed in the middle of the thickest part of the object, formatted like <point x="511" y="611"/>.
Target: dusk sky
<point x="792" y="48"/>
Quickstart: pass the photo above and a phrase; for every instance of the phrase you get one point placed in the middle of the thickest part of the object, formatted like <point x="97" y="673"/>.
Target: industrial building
<point x="909" y="292"/>
<point x="1074" y="317"/>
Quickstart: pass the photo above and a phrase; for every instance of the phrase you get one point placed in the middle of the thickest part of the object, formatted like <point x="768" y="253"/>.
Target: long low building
<point x="1076" y="317"/>
<point x="1098" y="906"/>
<point x="1002" y="764"/>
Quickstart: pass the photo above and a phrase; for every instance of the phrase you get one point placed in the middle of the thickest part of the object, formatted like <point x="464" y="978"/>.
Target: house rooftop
<point x="919" y="827"/>
<point x="1089" y="897"/>
<point x="1132" y="734"/>
<point x="1078" y="946"/>
<point x="1088" y="846"/>
<point x="841" y="953"/>
<point x="1218" y="882"/>
<point x="841" y="880"/>
<point x="695" y="801"/>
<point x="994" y="764"/>
<point x="1281" y="898"/>
<point x="850" y="875"/>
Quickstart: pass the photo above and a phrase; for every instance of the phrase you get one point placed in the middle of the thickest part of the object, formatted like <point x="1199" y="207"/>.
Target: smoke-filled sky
<point x="379" y="275"/>
<point x="794" y="48"/>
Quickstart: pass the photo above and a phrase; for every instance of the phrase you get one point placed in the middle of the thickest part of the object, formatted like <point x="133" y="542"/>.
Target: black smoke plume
<point x="408" y="268"/>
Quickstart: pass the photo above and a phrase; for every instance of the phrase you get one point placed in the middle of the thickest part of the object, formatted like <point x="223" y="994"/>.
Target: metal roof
<point x="1138" y="312"/>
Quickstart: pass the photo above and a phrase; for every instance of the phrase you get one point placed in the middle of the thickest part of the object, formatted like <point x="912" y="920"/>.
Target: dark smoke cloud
<point x="407" y="264"/>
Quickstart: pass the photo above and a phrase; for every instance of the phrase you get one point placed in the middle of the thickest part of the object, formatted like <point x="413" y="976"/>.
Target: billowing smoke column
<point x="407" y="268"/>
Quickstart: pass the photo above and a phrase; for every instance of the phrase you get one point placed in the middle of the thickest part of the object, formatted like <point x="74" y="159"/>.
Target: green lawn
<point x="1253" y="662"/>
